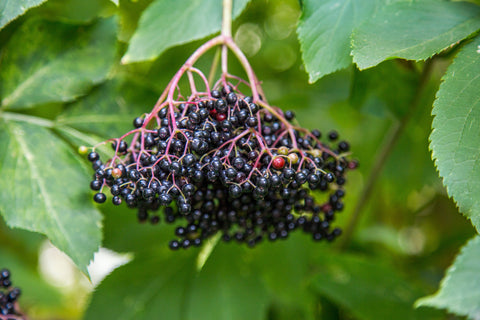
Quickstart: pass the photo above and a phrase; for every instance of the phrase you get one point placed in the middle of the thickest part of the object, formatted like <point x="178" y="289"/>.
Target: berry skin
<point x="96" y="185"/>
<point x="138" y="122"/>
<point x="93" y="156"/>
<point x="293" y="157"/>
<point x="174" y="245"/>
<point x="82" y="150"/>
<point x="333" y="135"/>
<point x="99" y="197"/>
<point x="343" y="146"/>
<point x="289" y="115"/>
<point x="117" y="200"/>
<point x="278" y="163"/>
<point x="116" y="173"/>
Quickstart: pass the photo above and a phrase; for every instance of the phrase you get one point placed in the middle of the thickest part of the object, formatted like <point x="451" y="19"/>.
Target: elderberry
<point x="224" y="163"/>
<point x="8" y="295"/>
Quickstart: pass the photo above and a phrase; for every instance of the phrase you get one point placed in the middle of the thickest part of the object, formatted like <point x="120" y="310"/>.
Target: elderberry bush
<point x="8" y="296"/>
<point x="219" y="162"/>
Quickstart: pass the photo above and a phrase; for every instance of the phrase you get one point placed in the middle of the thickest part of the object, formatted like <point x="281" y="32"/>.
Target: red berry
<point x="278" y="163"/>
<point x="221" y="117"/>
<point x="116" y="173"/>
<point x="353" y="164"/>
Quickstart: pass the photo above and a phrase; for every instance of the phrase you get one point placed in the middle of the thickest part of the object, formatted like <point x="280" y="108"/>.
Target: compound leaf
<point x="12" y="9"/>
<point x="57" y="62"/>
<point x="167" y="23"/>
<point x="455" y="138"/>
<point x="459" y="291"/>
<point x="44" y="190"/>
<point x="413" y="30"/>
<point x="324" y="32"/>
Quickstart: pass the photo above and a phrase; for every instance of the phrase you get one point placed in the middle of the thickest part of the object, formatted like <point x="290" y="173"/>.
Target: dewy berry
<point x="218" y="160"/>
<point x="8" y="297"/>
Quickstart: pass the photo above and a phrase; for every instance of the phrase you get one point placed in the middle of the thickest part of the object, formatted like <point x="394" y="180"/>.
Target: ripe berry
<point x="93" y="156"/>
<point x="333" y="135"/>
<point x="138" y="122"/>
<point x="99" y="197"/>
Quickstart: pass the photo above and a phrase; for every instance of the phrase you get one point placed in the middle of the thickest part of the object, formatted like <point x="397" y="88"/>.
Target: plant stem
<point x="227" y="18"/>
<point x="213" y="69"/>
<point x="389" y="144"/>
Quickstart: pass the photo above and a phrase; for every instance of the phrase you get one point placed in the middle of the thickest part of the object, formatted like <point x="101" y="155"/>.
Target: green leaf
<point x="109" y="109"/>
<point x="368" y="288"/>
<point x="324" y="32"/>
<point x="129" y="12"/>
<point x="455" y="138"/>
<point x="388" y="88"/>
<point x="53" y="62"/>
<point x="167" y="23"/>
<point x="413" y="30"/>
<point x="12" y="9"/>
<point x="147" y="287"/>
<point x="169" y="285"/>
<point x="45" y="190"/>
<point x="77" y="11"/>
<point x="226" y="288"/>
<point x="459" y="291"/>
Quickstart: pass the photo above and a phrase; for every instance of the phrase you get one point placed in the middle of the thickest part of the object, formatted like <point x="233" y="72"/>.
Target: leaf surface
<point x="455" y="138"/>
<point x="369" y="289"/>
<point x="413" y="30"/>
<point x="459" y="291"/>
<point x="44" y="190"/>
<point x="12" y="9"/>
<point x="57" y="63"/>
<point x="169" y="284"/>
<point x="324" y="32"/>
<point x="167" y="23"/>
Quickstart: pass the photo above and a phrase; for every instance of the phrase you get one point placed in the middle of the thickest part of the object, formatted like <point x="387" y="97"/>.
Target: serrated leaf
<point x="459" y="291"/>
<point x="12" y="9"/>
<point x="368" y="288"/>
<point x="49" y="61"/>
<point x="413" y="30"/>
<point x="167" y="23"/>
<point x="324" y="32"/>
<point x="169" y="285"/>
<point x="43" y="190"/>
<point x="109" y="109"/>
<point x="455" y="138"/>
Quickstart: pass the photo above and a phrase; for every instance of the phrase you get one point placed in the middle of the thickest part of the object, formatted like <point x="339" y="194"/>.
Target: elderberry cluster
<point x="222" y="162"/>
<point x="8" y="295"/>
